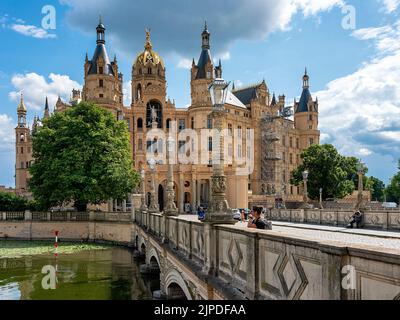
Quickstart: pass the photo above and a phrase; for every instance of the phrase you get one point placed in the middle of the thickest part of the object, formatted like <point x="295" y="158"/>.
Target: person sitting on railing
<point x="257" y="222"/>
<point x="355" y="219"/>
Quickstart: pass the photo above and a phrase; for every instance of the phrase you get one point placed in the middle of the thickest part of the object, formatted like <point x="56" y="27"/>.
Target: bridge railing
<point x="386" y="220"/>
<point x="66" y="216"/>
<point x="260" y="264"/>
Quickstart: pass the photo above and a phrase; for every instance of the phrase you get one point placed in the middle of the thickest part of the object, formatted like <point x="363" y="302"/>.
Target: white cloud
<point x="7" y="136"/>
<point x="360" y="112"/>
<point x="20" y="26"/>
<point x="184" y="63"/>
<point x="36" y="87"/>
<point x="32" y="31"/>
<point x="390" y="5"/>
<point x="127" y="90"/>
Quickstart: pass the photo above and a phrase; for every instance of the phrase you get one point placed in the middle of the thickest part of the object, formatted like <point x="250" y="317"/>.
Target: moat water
<point x="83" y="272"/>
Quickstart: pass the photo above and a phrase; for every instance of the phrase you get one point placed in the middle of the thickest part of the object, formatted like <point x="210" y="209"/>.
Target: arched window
<point x="149" y="70"/>
<point x="139" y="92"/>
<point x="140" y="124"/>
<point x="209" y="143"/>
<point x="168" y="124"/>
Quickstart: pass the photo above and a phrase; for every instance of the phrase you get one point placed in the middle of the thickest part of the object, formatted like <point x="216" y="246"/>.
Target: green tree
<point x="329" y="170"/>
<point x="82" y="155"/>
<point x="377" y="188"/>
<point x="393" y="189"/>
<point x="12" y="202"/>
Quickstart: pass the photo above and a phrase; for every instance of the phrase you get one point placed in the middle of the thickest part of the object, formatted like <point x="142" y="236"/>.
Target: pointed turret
<point x="273" y="102"/>
<point x="46" y="110"/>
<point x="21" y="111"/>
<point x="205" y="35"/>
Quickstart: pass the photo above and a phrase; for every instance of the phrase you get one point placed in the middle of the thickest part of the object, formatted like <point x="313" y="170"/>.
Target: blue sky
<point x="354" y="72"/>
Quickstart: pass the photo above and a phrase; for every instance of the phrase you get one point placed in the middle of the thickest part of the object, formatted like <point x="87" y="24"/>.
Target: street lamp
<point x="219" y="210"/>
<point x="153" y="204"/>
<point x="305" y="192"/>
<point x="170" y="206"/>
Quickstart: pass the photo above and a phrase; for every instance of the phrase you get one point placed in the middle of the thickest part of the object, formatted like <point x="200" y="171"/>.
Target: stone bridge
<point x="199" y="260"/>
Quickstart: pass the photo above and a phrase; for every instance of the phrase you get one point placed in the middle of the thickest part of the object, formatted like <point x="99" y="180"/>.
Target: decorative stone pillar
<point x="153" y="208"/>
<point x="360" y="171"/>
<point x="124" y="205"/>
<point x="218" y="210"/>
<point x="143" y="205"/>
<point x="194" y="191"/>
<point x="170" y="207"/>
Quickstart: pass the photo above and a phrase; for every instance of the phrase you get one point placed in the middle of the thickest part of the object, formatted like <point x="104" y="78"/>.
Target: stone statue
<point x="153" y="114"/>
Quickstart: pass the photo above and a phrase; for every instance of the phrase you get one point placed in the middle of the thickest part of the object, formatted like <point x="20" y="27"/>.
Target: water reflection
<point x="106" y="274"/>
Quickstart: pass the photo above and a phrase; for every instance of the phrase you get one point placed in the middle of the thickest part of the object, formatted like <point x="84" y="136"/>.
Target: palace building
<point x="280" y="133"/>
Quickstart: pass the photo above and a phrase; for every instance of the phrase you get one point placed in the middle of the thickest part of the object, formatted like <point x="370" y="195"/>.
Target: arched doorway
<point x="161" y="197"/>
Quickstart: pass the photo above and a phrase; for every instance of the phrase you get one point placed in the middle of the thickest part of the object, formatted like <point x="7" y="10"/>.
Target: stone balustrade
<point x="66" y="216"/>
<point x="237" y="262"/>
<point x="260" y="264"/>
<point x="386" y="220"/>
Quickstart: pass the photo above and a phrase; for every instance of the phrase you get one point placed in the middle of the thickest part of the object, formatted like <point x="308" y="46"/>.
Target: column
<point x="198" y="189"/>
<point x="124" y="205"/>
<point x="110" y="205"/>
<point x="194" y="204"/>
<point x="181" y="193"/>
<point x="115" y="205"/>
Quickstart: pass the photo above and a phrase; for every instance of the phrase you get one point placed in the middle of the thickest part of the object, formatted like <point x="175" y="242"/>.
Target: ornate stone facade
<point x="246" y="111"/>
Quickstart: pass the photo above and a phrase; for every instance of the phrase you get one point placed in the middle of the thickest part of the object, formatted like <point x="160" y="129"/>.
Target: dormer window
<point x="149" y="70"/>
<point x="100" y="70"/>
<point x="208" y="74"/>
<point x="101" y="83"/>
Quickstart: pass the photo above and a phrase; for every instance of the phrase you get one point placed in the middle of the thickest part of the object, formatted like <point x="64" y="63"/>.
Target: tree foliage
<point x="12" y="202"/>
<point x="82" y="155"/>
<point x="377" y="188"/>
<point x="334" y="173"/>
<point x="393" y="189"/>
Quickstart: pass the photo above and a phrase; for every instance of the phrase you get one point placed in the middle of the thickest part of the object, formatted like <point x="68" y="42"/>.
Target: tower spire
<point x="306" y="79"/>
<point x="205" y="37"/>
<point x="46" y="109"/>
<point x="100" y="29"/>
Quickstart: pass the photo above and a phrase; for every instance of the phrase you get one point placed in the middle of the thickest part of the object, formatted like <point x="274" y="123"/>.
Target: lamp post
<point x="170" y="206"/>
<point x="219" y="210"/>
<point x="153" y="203"/>
<point x="143" y="206"/>
<point x="360" y="172"/>
<point x="305" y="191"/>
<point x="320" y="198"/>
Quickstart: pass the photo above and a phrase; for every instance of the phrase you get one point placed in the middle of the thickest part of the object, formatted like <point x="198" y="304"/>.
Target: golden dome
<point x="148" y="56"/>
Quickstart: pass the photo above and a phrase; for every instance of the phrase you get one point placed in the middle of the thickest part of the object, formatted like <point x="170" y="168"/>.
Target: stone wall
<point x="386" y="220"/>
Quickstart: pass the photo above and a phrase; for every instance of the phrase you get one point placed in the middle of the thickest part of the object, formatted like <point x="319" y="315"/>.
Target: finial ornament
<point x="148" y="44"/>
